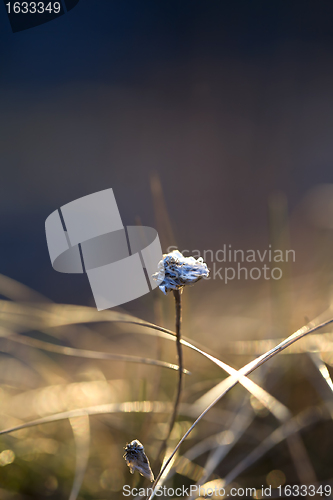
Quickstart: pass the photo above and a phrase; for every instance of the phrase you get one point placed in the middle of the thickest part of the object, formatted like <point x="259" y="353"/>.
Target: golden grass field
<point x="76" y="385"/>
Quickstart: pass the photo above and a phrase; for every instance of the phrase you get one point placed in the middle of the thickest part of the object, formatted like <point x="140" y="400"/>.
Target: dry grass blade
<point x="15" y="290"/>
<point x="215" y="440"/>
<point x="282" y="414"/>
<point x="246" y="370"/>
<point x="47" y="369"/>
<point x="306" y="418"/>
<point x="89" y="314"/>
<point x="84" y="353"/>
<point x="279" y="410"/>
<point x="312" y="343"/>
<point x="81" y="431"/>
<point x="163" y="223"/>
<point x="125" y="407"/>
<point x="322" y="368"/>
<point x="240" y="423"/>
<point x="44" y="316"/>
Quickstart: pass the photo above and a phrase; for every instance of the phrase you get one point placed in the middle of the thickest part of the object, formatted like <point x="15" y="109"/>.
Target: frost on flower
<point x="136" y="459"/>
<point x="179" y="271"/>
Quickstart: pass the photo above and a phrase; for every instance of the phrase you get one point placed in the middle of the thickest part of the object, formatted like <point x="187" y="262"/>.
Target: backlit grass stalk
<point x="231" y="381"/>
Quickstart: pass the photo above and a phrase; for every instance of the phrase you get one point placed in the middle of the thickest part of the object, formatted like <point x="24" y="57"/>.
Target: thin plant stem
<point x="178" y="307"/>
<point x="178" y="304"/>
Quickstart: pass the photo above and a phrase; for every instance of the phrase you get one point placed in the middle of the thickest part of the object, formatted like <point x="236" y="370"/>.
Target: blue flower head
<point x="179" y="271"/>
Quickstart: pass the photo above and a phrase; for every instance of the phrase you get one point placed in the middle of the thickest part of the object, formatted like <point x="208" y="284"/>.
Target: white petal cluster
<point x="179" y="271"/>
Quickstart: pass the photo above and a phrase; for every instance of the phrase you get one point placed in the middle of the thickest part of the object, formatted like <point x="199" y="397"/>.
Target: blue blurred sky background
<point x="228" y="102"/>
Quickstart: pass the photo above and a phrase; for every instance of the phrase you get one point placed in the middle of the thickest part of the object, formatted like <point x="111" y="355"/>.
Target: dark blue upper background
<point x="113" y="41"/>
<point x="227" y="101"/>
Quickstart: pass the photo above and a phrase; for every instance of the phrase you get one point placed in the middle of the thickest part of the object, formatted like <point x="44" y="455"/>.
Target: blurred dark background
<point x="228" y="102"/>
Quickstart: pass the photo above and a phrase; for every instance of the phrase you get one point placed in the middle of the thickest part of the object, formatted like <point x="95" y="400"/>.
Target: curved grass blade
<point x="312" y="343"/>
<point x="234" y="379"/>
<point x="279" y="410"/>
<point x="39" y="316"/>
<point x="237" y="429"/>
<point x="261" y="392"/>
<point x="15" y="290"/>
<point x="126" y="407"/>
<point x="322" y="368"/>
<point x="40" y="362"/>
<point x="84" y="353"/>
<point x="308" y="417"/>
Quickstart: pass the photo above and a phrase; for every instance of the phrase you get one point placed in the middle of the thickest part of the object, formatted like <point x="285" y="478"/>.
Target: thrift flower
<point x="179" y="271"/>
<point x="136" y="459"/>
